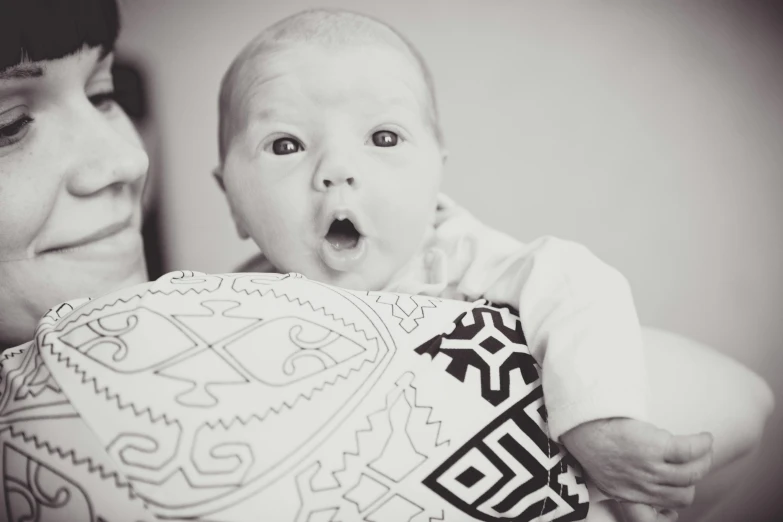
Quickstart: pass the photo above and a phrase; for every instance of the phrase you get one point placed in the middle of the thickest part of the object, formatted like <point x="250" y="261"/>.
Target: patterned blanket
<point x="247" y="397"/>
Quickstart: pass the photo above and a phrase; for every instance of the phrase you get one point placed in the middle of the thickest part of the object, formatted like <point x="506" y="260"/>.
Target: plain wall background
<point x="651" y="132"/>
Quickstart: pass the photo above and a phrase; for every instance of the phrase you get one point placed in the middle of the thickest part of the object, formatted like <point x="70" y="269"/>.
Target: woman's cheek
<point x="24" y="208"/>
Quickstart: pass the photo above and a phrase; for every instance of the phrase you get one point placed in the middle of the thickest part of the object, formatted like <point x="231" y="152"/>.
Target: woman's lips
<point x="95" y="237"/>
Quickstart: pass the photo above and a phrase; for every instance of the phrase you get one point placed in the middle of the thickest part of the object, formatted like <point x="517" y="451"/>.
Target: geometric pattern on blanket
<point x="511" y="469"/>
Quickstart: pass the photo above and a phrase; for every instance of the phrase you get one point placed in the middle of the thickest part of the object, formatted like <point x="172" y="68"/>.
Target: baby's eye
<point x="283" y="146"/>
<point x="385" y="138"/>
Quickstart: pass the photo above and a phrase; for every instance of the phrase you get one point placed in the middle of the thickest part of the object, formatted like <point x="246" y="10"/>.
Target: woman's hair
<point x="37" y="30"/>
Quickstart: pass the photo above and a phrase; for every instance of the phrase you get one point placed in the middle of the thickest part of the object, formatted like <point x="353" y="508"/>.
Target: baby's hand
<point x="633" y="512"/>
<point x="635" y="462"/>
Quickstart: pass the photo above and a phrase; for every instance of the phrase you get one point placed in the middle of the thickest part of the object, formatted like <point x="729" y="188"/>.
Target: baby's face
<point x="336" y="169"/>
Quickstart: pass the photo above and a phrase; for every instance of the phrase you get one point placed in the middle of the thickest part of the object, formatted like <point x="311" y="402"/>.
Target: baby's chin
<point x="360" y="280"/>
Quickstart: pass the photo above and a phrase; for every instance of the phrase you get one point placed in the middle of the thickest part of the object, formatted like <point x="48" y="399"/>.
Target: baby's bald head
<point x="325" y="28"/>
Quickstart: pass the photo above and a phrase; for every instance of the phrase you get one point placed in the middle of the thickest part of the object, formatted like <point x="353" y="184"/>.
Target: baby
<point x="331" y="157"/>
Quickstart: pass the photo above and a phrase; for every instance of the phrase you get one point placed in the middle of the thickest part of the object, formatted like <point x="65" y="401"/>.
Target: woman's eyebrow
<point x="21" y="72"/>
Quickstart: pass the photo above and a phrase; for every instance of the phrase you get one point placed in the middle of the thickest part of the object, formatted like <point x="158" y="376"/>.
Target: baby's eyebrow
<point x="397" y="103"/>
<point x="391" y="105"/>
<point x="395" y="100"/>
<point x="269" y="113"/>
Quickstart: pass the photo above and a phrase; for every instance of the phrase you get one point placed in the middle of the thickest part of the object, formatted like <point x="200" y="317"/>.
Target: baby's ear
<point x="240" y="228"/>
<point x="217" y="173"/>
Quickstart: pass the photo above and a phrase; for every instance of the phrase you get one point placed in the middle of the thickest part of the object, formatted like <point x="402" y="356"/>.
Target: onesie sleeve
<point x="577" y="313"/>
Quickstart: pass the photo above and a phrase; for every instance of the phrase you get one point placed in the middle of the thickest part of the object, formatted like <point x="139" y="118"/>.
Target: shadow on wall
<point x="130" y="87"/>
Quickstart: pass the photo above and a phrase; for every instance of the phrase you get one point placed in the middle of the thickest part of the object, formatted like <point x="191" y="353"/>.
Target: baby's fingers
<point x="632" y="512"/>
<point x="686" y="448"/>
<point x="686" y="474"/>
<point x="672" y="497"/>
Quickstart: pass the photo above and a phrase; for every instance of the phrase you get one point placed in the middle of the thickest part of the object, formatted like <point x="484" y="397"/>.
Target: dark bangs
<point x="36" y="30"/>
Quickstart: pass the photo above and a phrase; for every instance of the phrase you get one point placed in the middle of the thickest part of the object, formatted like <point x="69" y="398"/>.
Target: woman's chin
<point x="117" y="277"/>
<point x="73" y="275"/>
<point x="40" y="284"/>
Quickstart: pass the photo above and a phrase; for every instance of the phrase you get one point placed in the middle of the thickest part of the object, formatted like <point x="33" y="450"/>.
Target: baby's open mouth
<point x="342" y="234"/>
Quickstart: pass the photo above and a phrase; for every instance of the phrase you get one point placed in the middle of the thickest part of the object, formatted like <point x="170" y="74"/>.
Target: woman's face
<point x="72" y="171"/>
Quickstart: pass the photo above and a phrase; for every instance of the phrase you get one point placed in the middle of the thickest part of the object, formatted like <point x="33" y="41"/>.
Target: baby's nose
<point x="334" y="180"/>
<point x="331" y="174"/>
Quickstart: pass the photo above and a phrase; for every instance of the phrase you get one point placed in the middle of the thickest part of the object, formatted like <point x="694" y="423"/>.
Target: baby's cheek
<point x="410" y="230"/>
<point x="275" y="225"/>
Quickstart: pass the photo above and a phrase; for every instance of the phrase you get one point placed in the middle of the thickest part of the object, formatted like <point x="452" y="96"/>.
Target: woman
<point x="72" y="171"/>
<point x="71" y="164"/>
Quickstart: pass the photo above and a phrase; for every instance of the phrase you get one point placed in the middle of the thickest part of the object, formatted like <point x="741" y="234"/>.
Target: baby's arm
<point x="580" y="324"/>
<point x="577" y="313"/>
<point x="722" y="397"/>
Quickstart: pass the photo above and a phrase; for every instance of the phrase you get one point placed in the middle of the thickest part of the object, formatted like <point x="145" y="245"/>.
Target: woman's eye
<point x="385" y="138"/>
<point x="14" y="131"/>
<point x="283" y="146"/>
<point x="104" y="101"/>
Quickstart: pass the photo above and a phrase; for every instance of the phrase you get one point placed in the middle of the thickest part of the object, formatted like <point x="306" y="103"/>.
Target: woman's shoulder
<point x="14" y="351"/>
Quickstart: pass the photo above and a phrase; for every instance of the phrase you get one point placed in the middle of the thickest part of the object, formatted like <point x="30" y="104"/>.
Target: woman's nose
<point x="106" y="156"/>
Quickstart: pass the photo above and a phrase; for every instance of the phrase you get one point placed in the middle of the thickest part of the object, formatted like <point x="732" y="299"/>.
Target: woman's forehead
<point x="84" y="60"/>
